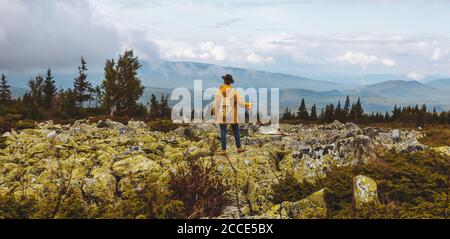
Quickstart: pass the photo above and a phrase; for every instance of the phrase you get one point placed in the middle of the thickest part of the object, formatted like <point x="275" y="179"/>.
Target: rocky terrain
<point x="108" y="161"/>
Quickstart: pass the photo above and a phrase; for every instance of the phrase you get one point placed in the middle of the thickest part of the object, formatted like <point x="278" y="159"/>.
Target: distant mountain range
<point x="183" y="74"/>
<point x="379" y="96"/>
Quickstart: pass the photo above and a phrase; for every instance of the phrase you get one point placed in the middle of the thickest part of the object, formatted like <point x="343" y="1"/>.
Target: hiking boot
<point x="240" y="150"/>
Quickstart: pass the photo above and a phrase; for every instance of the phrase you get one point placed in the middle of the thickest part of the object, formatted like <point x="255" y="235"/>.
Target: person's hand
<point x="248" y="105"/>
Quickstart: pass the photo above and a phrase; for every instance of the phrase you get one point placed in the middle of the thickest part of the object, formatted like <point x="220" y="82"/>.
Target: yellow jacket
<point x="225" y="105"/>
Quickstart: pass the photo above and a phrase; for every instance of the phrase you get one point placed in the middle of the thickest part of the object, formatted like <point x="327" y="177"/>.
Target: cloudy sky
<point x="316" y="38"/>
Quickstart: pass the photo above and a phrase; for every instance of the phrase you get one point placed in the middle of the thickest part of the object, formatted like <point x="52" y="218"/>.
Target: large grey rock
<point x="270" y="130"/>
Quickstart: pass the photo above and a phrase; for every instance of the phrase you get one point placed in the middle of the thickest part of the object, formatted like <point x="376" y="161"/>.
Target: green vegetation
<point x="192" y="193"/>
<point x="409" y="115"/>
<point x="117" y="96"/>
<point x="162" y="125"/>
<point x="409" y="186"/>
<point x="289" y="189"/>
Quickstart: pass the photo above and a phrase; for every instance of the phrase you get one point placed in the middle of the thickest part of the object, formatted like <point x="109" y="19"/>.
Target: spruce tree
<point x="49" y="89"/>
<point x="81" y="85"/>
<point x="338" y="112"/>
<point x="302" y="111"/>
<point x="314" y="116"/>
<point x="155" y="111"/>
<point x="346" y="108"/>
<point x="5" y="92"/>
<point x="164" y="106"/>
<point x="110" y="98"/>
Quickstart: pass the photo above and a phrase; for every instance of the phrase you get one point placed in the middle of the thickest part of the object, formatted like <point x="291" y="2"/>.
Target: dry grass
<point x="437" y="136"/>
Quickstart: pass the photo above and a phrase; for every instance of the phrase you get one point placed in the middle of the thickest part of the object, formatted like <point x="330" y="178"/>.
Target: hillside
<point x="112" y="170"/>
<point x="442" y="84"/>
<point x="182" y="74"/>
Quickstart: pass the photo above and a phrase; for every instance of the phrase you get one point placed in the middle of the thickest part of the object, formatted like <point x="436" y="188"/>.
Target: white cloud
<point x="415" y="76"/>
<point x="255" y="58"/>
<point x="217" y="52"/>
<point x="364" y="60"/>
<point x="437" y="54"/>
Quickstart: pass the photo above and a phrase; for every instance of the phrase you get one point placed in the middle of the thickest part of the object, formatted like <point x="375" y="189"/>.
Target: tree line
<point x="120" y="91"/>
<point x="117" y="95"/>
<point x="354" y="112"/>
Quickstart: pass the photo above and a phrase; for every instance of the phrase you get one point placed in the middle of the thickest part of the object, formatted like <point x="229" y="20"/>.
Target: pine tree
<point x="82" y="87"/>
<point x="121" y="85"/>
<point x="110" y="98"/>
<point x="155" y="111"/>
<point x="322" y="115"/>
<point x="164" y="106"/>
<point x="358" y="111"/>
<point x="352" y="114"/>
<point x="36" y="86"/>
<point x="346" y="108"/>
<point x="329" y="113"/>
<point x="128" y="66"/>
<point x="49" y="89"/>
<point x="98" y="95"/>
<point x="287" y="115"/>
<point x="314" y="116"/>
<point x="338" y="112"/>
<point x="387" y="117"/>
<point x="5" y="92"/>
<point x="302" y="111"/>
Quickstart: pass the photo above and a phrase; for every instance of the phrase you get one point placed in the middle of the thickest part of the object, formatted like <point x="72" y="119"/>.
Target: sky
<point x="317" y="38"/>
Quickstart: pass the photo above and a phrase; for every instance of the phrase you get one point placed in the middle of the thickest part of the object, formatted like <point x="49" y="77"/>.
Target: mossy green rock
<point x="364" y="191"/>
<point x="312" y="207"/>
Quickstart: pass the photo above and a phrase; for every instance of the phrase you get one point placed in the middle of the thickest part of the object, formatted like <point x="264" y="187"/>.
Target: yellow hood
<point x="224" y="88"/>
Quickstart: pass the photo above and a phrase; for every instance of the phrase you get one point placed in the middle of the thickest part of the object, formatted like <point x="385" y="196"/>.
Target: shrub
<point x="152" y="202"/>
<point x="200" y="189"/>
<point x="16" y="208"/>
<point x="162" y="125"/>
<point x="25" y="124"/>
<point x="409" y="186"/>
<point x="275" y="157"/>
<point x="289" y="189"/>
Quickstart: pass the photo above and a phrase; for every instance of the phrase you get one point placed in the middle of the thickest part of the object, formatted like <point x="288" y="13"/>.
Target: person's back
<point x="225" y="108"/>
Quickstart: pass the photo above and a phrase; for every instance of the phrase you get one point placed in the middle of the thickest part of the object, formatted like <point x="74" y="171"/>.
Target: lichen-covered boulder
<point x="356" y="150"/>
<point x="136" y="124"/>
<point x="134" y="165"/>
<point x="364" y="191"/>
<point x="312" y="207"/>
<point x="101" y="185"/>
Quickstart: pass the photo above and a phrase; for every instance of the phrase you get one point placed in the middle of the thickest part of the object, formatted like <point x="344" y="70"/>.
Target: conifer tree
<point x="5" y="92"/>
<point x="36" y="86"/>
<point x="122" y="88"/>
<point x="81" y="86"/>
<point x="314" y="116"/>
<point x="302" y="111"/>
<point x="155" y="111"/>
<point x="347" y="108"/>
<point x="164" y="106"/>
<point x="49" y="89"/>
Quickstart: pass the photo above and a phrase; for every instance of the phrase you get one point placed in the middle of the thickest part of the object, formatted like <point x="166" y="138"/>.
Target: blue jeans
<point x="223" y="135"/>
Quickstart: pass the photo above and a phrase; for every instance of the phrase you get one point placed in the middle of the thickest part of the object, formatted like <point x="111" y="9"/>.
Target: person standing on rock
<point x="225" y="110"/>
